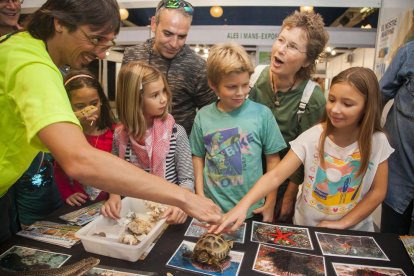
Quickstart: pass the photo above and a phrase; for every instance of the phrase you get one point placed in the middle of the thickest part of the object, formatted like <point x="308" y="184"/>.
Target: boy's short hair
<point x="227" y="58"/>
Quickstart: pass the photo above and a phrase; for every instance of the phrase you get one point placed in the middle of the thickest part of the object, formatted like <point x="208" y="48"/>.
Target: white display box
<point x="109" y="245"/>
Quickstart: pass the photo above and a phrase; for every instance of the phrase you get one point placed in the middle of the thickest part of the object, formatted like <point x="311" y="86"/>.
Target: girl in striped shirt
<point x="148" y="136"/>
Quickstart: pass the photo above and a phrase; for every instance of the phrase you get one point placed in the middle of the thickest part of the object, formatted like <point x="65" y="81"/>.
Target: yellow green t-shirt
<point x="32" y="96"/>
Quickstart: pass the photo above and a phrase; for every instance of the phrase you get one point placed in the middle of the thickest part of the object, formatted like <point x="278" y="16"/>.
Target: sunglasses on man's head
<point x="176" y="4"/>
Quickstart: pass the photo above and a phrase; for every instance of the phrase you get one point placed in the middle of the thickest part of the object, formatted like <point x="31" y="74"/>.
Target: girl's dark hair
<point x="107" y="117"/>
<point x="99" y="14"/>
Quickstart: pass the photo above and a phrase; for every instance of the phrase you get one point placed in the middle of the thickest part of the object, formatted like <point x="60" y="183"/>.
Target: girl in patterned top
<point x="148" y="136"/>
<point x="94" y="113"/>
<point x="345" y="159"/>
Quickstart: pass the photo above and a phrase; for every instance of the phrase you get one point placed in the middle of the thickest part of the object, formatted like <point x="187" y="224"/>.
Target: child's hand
<point x="112" y="207"/>
<point x="175" y="215"/>
<point x="76" y="199"/>
<point x="266" y="211"/>
<point x="333" y="224"/>
<point x="87" y="115"/>
<point x="231" y="221"/>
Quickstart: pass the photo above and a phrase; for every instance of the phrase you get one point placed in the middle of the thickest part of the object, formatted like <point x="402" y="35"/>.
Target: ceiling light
<point x="306" y="8"/>
<point x="205" y="50"/>
<point x="216" y="11"/>
<point x="333" y="52"/>
<point x="197" y="49"/>
<point x="123" y="13"/>
<point x="328" y="49"/>
<point x="368" y="26"/>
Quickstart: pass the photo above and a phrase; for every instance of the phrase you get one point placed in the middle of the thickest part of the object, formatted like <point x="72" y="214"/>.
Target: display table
<point x="174" y="235"/>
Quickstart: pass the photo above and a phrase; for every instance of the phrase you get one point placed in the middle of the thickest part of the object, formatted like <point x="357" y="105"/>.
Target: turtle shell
<point x="211" y="248"/>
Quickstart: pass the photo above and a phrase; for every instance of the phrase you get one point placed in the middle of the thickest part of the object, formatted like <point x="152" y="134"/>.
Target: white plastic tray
<point x="110" y="246"/>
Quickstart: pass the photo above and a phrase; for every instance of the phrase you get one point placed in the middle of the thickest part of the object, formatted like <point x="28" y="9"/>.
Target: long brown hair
<point x="132" y="79"/>
<point x="365" y="81"/>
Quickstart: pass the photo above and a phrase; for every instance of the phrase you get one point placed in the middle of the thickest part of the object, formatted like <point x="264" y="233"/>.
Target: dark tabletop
<point x="174" y="235"/>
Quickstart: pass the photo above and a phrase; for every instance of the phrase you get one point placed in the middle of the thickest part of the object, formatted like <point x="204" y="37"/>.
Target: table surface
<point x="174" y="235"/>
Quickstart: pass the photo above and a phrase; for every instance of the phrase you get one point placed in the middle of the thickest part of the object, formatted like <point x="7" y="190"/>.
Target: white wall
<point x="359" y="57"/>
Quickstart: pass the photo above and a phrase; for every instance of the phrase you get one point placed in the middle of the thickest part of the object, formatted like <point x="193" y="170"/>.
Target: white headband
<point x="78" y="76"/>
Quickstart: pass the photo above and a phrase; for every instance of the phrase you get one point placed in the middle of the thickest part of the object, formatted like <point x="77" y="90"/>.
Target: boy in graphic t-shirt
<point x="229" y="136"/>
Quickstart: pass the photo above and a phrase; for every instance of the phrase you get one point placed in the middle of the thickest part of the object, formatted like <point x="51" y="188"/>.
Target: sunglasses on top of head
<point x="176" y="4"/>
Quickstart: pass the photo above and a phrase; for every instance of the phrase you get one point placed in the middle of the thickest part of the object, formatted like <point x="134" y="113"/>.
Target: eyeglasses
<point x="176" y="4"/>
<point x="291" y="47"/>
<point x="3" y="2"/>
<point x="99" y="41"/>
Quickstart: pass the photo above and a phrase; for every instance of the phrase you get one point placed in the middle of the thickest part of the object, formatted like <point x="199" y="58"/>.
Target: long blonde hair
<point x="365" y="81"/>
<point x="132" y="79"/>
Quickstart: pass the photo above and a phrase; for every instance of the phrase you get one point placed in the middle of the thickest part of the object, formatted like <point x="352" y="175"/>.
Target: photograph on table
<point x="51" y="232"/>
<point x="356" y="269"/>
<point x="287" y="236"/>
<point x="363" y="247"/>
<point x="103" y="270"/>
<point x="408" y="242"/>
<point x="21" y="258"/>
<point x="197" y="229"/>
<point x="276" y="261"/>
<point x="83" y="216"/>
<point x="184" y="259"/>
